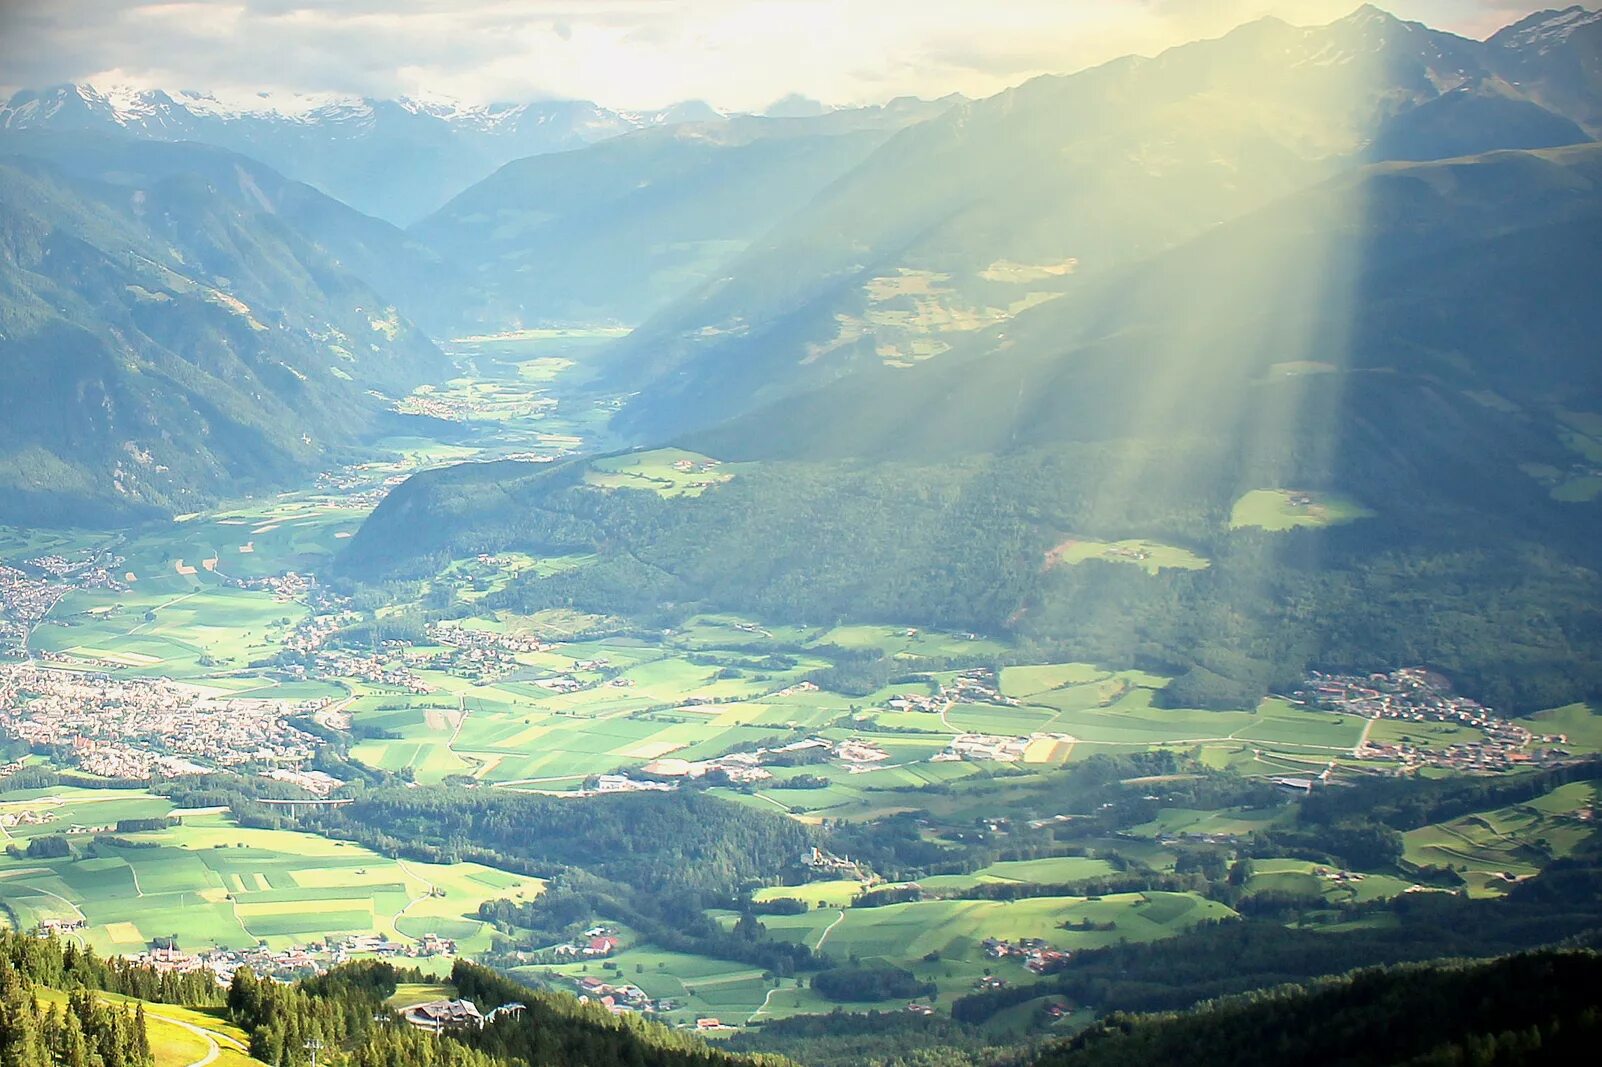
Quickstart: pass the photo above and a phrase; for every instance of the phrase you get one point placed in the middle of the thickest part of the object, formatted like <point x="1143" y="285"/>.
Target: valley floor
<point x="221" y="617"/>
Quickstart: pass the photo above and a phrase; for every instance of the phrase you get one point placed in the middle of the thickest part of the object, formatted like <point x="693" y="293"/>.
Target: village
<point x="464" y="406"/>
<point x="998" y="748"/>
<point x="1414" y="694"/>
<point x="284" y="964"/>
<point x="1036" y="954"/>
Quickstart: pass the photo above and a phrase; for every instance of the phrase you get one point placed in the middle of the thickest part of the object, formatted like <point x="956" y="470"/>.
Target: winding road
<point x="213" y="1050"/>
<point x="827" y="930"/>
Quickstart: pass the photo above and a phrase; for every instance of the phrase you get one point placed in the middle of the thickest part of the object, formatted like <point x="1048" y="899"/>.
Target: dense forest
<point x="655" y="862"/>
<point x="85" y="1033"/>
<point x="961" y="545"/>
<point x="667" y="843"/>
<point x="1525" y="1009"/>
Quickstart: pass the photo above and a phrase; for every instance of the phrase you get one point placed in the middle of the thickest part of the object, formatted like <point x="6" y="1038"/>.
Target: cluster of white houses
<point x="136" y="727"/>
<point x="284" y="964"/>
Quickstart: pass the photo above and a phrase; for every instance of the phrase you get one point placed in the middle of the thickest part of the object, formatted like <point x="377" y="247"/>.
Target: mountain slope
<point x="169" y="333"/>
<point x="966" y="220"/>
<point x="427" y="288"/>
<point x="1427" y="359"/>
<point x="614" y="231"/>
<point x="1556" y="58"/>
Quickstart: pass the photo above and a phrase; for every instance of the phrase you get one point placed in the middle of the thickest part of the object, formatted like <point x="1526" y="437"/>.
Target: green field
<point x="1286" y="509"/>
<point x="711" y="684"/>
<point x="196" y="635"/>
<point x="1579" y="725"/>
<point x="695" y="986"/>
<point x="669" y="472"/>
<point x="1102" y="712"/>
<point x="951" y="930"/>
<point x="1302" y="878"/>
<point x="213" y="883"/>
<point x="1236" y="822"/>
<point x="1491" y="850"/>
<point x="938" y="940"/>
<point x="1149" y="556"/>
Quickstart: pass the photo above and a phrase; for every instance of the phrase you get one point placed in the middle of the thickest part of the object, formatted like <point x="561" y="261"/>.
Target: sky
<point x="735" y="54"/>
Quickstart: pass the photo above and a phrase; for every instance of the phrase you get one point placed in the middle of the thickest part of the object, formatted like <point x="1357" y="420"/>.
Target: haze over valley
<point x="977" y="577"/>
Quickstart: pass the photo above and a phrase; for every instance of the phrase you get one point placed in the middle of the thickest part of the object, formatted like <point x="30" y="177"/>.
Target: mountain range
<point x="614" y="232"/>
<point x="944" y="343"/>
<point x="396" y="159"/>
<point x="1269" y="354"/>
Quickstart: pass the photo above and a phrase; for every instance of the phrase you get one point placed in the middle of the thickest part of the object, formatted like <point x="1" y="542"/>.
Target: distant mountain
<point x="395" y="159"/>
<point x="615" y="231"/>
<point x="177" y="321"/>
<point x="1555" y="57"/>
<point x="962" y="222"/>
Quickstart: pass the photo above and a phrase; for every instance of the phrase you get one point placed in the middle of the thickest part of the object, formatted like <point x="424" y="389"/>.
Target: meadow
<point x="1278" y="510"/>
<point x="938" y="940"/>
<point x="693" y="986"/>
<point x="605" y="697"/>
<point x="941" y="940"/>
<point x="707" y="688"/>
<point x="212" y="883"/>
<point x="1149" y="556"/>
<point x="668" y="472"/>
<point x="1580" y="726"/>
<point x="1305" y="879"/>
<point x="1491" y="850"/>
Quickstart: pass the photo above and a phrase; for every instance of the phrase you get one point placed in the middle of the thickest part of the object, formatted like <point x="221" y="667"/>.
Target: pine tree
<point x="141" y="1037"/>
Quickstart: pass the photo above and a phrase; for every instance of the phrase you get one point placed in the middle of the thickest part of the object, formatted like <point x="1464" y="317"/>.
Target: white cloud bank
<point x="737" y="54"/>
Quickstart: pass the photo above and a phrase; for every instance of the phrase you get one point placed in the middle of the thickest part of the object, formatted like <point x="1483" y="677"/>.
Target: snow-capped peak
<point x="1545" y="30"/>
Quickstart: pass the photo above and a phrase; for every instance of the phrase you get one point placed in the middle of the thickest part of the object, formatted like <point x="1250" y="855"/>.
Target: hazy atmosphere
<point x="629" y="53"/>
<point x="800" y="533"/>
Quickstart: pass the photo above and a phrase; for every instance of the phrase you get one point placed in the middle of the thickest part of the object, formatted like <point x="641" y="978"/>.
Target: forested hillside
<point x="1537" y="1008"/>
<point x="52" y="1010"/>
<point x="612" y="232"/>
<point x="679" y="842"/>
<point x="1449" y="414"/>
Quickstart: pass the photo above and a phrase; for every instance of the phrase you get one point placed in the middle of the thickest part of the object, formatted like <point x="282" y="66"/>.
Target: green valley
<point x="1066" y="569"/>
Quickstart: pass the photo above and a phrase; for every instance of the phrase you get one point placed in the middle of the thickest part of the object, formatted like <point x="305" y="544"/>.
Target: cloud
<point x="626" y="53"/>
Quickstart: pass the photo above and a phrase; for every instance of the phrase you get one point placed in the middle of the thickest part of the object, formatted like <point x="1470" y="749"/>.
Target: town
<point x="1414" y="694"/>
<point x="140" y="727"/>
